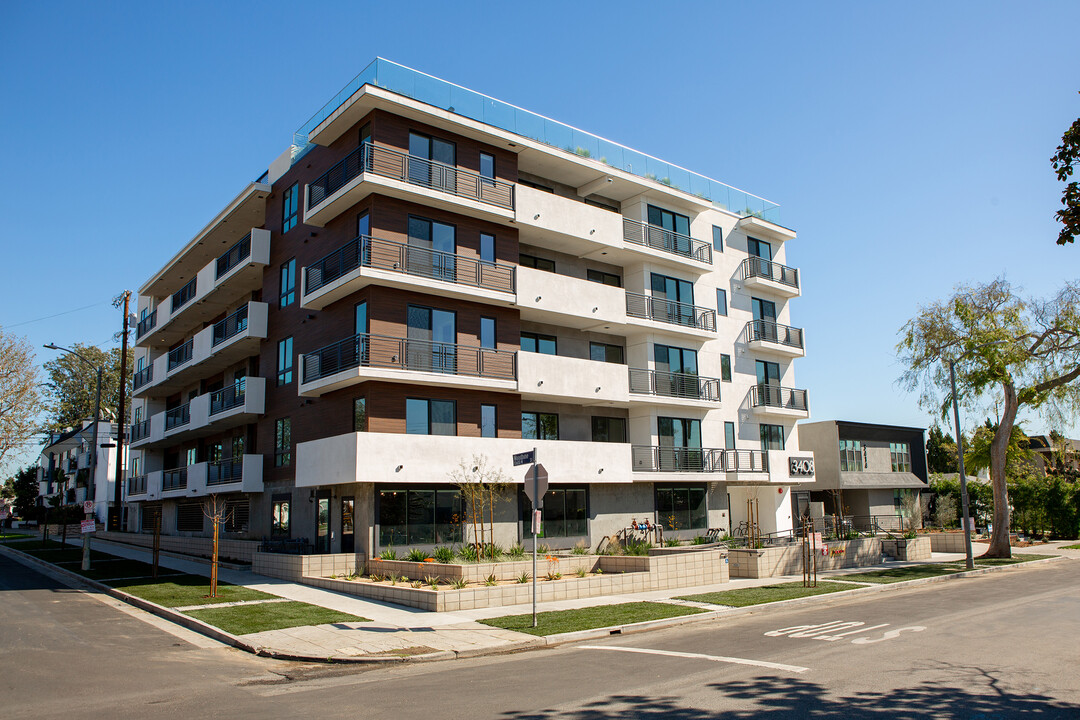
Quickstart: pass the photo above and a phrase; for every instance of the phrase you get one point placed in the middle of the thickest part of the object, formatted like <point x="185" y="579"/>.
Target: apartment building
<point x="65" y="462"/>
<point x="429" y="281"/>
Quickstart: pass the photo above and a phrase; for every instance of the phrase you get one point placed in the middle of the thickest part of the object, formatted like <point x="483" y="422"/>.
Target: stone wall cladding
<point x="787" y="560"/>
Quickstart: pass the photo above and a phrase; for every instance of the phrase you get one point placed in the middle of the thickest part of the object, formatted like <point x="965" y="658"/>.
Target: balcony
<point x="209" y="351"/>
<point x="376" y="357"/>
<point x="553" y="378"/>
<point x="761" y="274"/>
<point x="136" y="485"/>
<point x="770" y="337"/>
<point x="669" y="459"/>
<point x="777" y="401"/>
<point x="366" y="260"/>
<point x="205" y="478"/>
<point x="569" y="301"/>
<point x="374" y="168"/>
<point x="666" y="241"/>
<point x="239" y="403"/>
<point x="138" y="431"/>
<point x="220" y="284"/>
<point x="747" y="465"/>
<point x="672" y="316"/>
<point x="142" y="377"/>
<point x="174" y="479"/>
<point x="678" y="388"/>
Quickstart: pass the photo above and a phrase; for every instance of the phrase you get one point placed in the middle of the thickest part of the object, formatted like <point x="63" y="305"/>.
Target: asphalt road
<point x="994" y="646"/>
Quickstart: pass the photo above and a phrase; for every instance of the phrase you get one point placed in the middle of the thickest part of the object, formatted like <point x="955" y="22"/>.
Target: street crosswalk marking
<point x="699" y="656"/>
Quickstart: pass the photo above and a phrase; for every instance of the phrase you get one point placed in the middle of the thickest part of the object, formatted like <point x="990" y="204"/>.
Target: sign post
<point x="535" y="492"/>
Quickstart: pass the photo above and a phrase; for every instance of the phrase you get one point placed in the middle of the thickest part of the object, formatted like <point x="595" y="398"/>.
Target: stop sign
<point x="535" y="490"/>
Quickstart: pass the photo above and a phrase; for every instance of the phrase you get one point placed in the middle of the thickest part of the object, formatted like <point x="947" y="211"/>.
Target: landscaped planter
<point x="475" y="572"/>
<point x="788" y="559"/>
<point x="296" y="567"/>
<point x="917" y="548"/>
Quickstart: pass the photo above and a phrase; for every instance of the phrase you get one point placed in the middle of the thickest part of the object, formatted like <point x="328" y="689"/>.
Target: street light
<point x="91" y="484"/>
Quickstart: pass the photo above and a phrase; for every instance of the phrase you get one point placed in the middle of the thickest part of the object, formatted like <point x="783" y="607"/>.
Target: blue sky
<point x="908" y="144"/>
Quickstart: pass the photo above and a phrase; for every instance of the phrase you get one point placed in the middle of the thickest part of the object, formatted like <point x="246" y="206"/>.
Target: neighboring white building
<point x="64" y="466"/>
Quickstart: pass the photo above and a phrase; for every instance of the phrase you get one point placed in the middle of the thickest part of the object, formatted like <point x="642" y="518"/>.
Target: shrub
<point x="493" y="552"/>
<point x="524" y="577"/>
<point x="672" y="542"/>
<point x="581" y="572"/>
<point x="459" y="584"/>
<point x="580" y="548"/>
<point x="636" y="547"/>
<point x="432" y="582"/>
<point x="468" y="553"/>
<point x="516" y="551"/>
<point x="388" y="554"/>
<point x="490" y="580"/>
<point x="543" y="549"/>
<point x="375" y="577"/>
<point x="416" y="555"/>
<point x="417" y="584"/>
<point x="443" y="554"/>
<point x="699" y="540"/>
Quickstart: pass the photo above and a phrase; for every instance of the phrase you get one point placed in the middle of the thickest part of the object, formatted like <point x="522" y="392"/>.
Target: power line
<point x="50" y="317"/>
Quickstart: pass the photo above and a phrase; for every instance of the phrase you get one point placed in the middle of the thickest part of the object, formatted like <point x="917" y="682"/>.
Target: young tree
<point x="72" y="386"/>
<point x="482" y="487"/>
<point x="940" y="451"/>
<point x="18" y="394"/>
<point x="1064" y="161"/>
<point x="1020" y="352"/>
<point x="219" y="512"/>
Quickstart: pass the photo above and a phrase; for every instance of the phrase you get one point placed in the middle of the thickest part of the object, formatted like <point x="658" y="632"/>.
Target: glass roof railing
<point x="471" y="104"/>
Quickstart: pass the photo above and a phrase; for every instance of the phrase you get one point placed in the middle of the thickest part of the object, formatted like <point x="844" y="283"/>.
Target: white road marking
<point x="698" y="656"/>
<point x="828" y="631"/>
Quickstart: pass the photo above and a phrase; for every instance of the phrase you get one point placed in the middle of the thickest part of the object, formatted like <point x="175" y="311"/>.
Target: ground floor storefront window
<point x="681" y="507"/>
<point x="419" y="516"/>
<point x="565" y="513"/>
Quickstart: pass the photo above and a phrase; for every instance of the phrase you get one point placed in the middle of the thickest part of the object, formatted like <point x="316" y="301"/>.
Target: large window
<point x="565" y="513"/>
<point x="539" y="426"/>
<point x="432" y="249"/>
<point x="283" y="442"/>
<point x="487" y="165"/>
<point x="288" y="283"/>
<point x="290" y="208"/>
<point x="532" y="261"/>
<point x="487" y="248"/>
<point x="430" y="417"/>
<point x="487" y="332"/>
<point x="681" y="507"/>
<point x="900" y="454"/>
<point x="604" y="278"/>
<point x="538" y="343"/>
<point x="851" y="455"/>
<point x="359" y="415"/>
<point x="409" y="516"/>
<point x="488" y="424"/>
<point x="281" y="516"/>
<point x="603" y="352"/>
<point x="608" y="429"/>
<point x="673" y="223"/>
<point x="772" y="437"/>
<point x="284" y="361"/>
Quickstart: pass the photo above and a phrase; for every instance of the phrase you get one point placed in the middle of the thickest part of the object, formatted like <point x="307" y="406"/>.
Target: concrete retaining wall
<point x="296" y="567"/>
<point x="787" y="559"/>
<point x="950" y="542"/>
<point x="907" y="549"/>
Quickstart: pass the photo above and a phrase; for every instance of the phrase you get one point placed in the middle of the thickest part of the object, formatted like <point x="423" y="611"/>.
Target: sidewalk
<point x="397" y="631"/>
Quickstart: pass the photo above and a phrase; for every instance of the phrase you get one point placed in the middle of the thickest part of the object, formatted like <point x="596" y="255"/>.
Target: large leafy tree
<point x="72" y="386"/>
<point x="1015" y="351"/>
<point x="19" y="397"/>
<point x="940" y="451"/>
<point x="25" y="490"/>
<point x="978" y="450"/>
<point x="1064" y="161"/>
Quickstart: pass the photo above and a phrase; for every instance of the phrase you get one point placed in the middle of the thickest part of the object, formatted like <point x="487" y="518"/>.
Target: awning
<point x="872" y="480"/>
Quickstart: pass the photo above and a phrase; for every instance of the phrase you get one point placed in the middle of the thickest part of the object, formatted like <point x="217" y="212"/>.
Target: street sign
<point x="525" y="458"/>
<point x="536" y="520"/>
<point x="86" y="526"/>
<point x="88" y="506"/>
<point x="535" y="490"/>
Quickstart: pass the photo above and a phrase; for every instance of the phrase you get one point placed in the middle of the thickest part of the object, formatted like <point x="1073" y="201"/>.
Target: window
<point x="189" y="517"/>
<point x="363" y="228"/>
<point x="535" y="262"/>
<point x="288" y="283"/>
<point x="361" y="321"/>
<point x="283" y="442"/>
<point x="284" y="361"/>
<point x="718" y="238"/>
<point x="772" y="437"/>
<point x="191" y="456"/>
<point x="487" y="248"/>
<point x="430" y="417"/>
<point x="538" y="343"/>
<point x="435" y="333"/>
<point x="290" y="207"/>
<point x="758" y="248"/>
<point x="900" y="454"/>
<point x="729" y="435"/>
<point x="359" y="415"/>
<point x="488" y="425"/>
<point x="487" y="165"/>
<point x="851" y="455"/>
<point x="565" y="513"/>
<point x="604" y="278"/>
<point x="721" y="302"/>
<point x="487" y="332"/>
<point x="539" y="426"/>
<point x="409" y="516"/>
<point x="673" y="223"/>
<point x="436" y="245"/>
<point x="725" y="368"/>
<point x="681" y="507"/>
<point x="608" y="429"/>
<point x="365" y="133"/>
<point x="602" y="352"/>
<point x="238" y="514"/>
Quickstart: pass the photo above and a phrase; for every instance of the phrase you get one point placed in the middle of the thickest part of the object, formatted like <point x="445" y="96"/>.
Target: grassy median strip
<point x="564" y="621"/>
<point x="1071" y="547"/>
<point x="765" y="594"/>
<point x="245" y="619"/>
<point x="188" y="590"/>
<point x="900" y="574"/>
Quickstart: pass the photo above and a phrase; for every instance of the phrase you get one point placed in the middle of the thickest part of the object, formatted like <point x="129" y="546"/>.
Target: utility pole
<point x="115" y="515"/>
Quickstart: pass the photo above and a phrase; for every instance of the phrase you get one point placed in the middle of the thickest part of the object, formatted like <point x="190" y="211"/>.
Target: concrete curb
<point x="529" y="642"/>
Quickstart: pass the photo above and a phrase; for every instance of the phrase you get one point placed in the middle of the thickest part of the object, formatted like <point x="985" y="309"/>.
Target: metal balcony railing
<point x="175" y="479"/>
<point x="228" y="397"/>
<point x="225" y="471"/>
<point x="746" y="461"/>
<point x="377" y="351"/>
<point x="769" y="331"/>
<point x="230" y="326"/>
<point x="136" y="485"/>
<point x="677" y="385"/>
<point x="181" y="355"/>
<point x="184" y="295"/>
<point x="139" y="431"/>
<point x="397" y="257"/>
<point x="764" y="395"/>
<point x="658" y="238"/>
<point x="146" y="324"/>
<point x="651" y="458"/>
<point x="755" y="267"/>
<point x="670" y="311"/>
<point x="232" y="257"/>
<point x="142" y="377"/>
<point x="178" y="416"/>
<point x="369" y="158"/>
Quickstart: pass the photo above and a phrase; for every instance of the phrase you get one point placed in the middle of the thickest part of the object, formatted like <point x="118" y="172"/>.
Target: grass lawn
<point x="244" y="619"/>
<point x="563" y="621"/>
<point x="15" y="536"/>
<point x="1071" y="547"/>
<point x="188" y="590"/>
<point x="765" y="594"/>
<point x="899" y="574"/>
<point x="1018" y="558"/>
